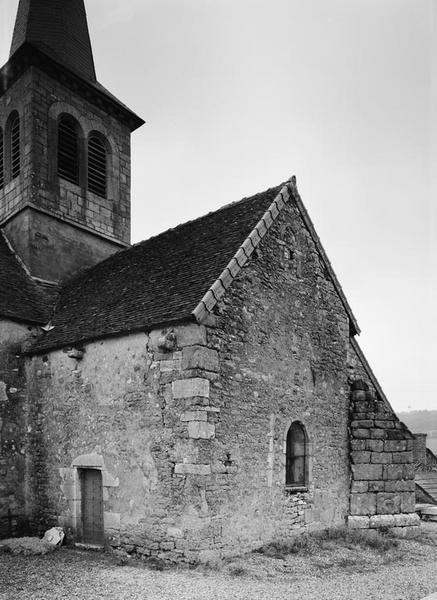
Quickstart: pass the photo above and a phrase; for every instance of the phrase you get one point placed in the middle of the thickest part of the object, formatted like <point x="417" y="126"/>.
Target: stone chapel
<point x="193" y="395"/>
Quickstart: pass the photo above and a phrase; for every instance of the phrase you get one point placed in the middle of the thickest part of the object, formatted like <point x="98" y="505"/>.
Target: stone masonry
<point x="54" y="225"/>
<point x="190" y="421"/>
<point x="13" y="408"/>
<point x="382" y="488"/>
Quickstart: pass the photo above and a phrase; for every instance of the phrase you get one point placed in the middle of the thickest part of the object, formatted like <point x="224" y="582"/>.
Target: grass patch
<point x="310" y="543"/>
<point x="375" y="539"/>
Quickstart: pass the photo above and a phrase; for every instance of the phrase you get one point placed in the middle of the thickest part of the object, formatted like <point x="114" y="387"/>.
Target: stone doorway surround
<point x="71" y="517"/>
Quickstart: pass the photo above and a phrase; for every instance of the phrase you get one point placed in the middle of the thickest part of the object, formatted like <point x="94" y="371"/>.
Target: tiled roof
<point x="20" y="297"/>
<point x="58" y="28"/>
<point x="160" y="280"/>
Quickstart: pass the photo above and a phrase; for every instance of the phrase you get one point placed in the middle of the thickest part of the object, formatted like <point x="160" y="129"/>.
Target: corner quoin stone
<point x="189" y="388"/>
<point x="358" y="522"/>
<point x="200" y="357"/>
<point x="201" y="430"/>
<point x="191" y="469"/>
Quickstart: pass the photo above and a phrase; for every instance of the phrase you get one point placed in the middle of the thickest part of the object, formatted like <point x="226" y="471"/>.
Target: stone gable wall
<point x="12" y="428"/>
<point x="189" y="422"/>
<point x="281" y="333"/>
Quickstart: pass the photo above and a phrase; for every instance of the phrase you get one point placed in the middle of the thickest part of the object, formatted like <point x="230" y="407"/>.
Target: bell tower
<point x="64" y="146"/>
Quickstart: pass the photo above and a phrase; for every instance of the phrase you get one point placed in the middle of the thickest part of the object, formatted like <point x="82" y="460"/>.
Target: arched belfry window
<point x="2" y="161"/>
<point x="14" y="145"/>
<point x="68" y="149"/>
<point x="97" y="166"/>
<point x="296" y="455"/>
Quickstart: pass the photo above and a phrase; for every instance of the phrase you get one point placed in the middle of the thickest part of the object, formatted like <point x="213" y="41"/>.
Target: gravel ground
<point x="331" y="571"/>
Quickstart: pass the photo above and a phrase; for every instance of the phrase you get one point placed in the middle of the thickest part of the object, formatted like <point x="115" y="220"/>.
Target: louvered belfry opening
<point x="68" y="150"/>
<point x="15" y="146"/>
<point x="2" y="162"/>
<point x="96" y="166"/>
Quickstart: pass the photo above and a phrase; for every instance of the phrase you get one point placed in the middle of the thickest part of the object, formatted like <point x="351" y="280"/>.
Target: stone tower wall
<point x="72" y="222"/>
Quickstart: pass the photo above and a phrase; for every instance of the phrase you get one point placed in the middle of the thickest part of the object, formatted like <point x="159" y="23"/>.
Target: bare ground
<point x="333" y="569"/>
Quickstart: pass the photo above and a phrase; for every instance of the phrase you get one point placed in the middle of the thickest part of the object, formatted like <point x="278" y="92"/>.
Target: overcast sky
<point x="239" y="95"/>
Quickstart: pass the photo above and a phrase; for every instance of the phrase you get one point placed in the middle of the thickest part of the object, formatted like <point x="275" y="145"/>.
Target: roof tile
<point x="157" y="281"/>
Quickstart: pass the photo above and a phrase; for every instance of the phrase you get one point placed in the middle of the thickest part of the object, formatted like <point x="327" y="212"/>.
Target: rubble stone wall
<point x="12" y="428"/>
<point x="189" y="422"/>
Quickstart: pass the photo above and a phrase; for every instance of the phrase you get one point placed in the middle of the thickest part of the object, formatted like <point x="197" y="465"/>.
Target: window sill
<point x="293" y="489"/>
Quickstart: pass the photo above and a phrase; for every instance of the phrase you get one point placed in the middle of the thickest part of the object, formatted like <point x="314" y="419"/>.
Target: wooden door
<point x="92" y="506"/>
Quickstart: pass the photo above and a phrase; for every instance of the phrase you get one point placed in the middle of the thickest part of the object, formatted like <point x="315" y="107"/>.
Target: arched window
<point x="296" y="456"/>
<point x="68" y="149"/>
<point x="14" y="145"/>
<point x="2" y="162"/>
<point x="97" y="166"/>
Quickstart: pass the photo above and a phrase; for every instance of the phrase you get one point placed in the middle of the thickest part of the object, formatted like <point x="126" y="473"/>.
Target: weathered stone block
<point x="375" y="445"/>
<point x="359" y="486"/>
<point x="376" y="486"/>
<point x="194" y="415"/>
<point x="399" y="486"/>
<point x="366" y="471"/>
<point x="188" y="388"/>
<point x="191" y="469"/>
<point x="377" y="433"/>
<point x="200" y="357"/>
<point x="395" y="445"/>
<point x="363" y="504"/>
<point x="355" y="522"/>
<point x="201" y="430"/>
<point x="408" y="502"/>
<point x="111" y="520"/>
<point x="361" y="433"/>
<point x="393" y="471"/>
<point x="175" y="532"/>
<point x="108" y="480"/>
<point x="360" y="456"/>
<point x="381" y="457"/>
<point x="382" y="521"/>
<point x="384" y="424"/>
<point x="406" y="532"/>
<point x="358" y="444"/>
<point x="192" y="334"/>
<point x="407" y="519"/>
<point x="388" y="504"/>
<point x="402" y="457"/>
<point x="363" y="423"/>
<point x="91" y="461"/>
<point x="364" y="405"/>
<point x="409" y="471"/>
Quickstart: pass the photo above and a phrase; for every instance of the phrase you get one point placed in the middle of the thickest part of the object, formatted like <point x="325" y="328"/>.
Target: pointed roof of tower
<point x="58" y="28"/>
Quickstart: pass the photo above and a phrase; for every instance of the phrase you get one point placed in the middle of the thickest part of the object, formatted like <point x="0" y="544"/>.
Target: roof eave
<point x="29" y="55"/>
<point x="39" y="348"/>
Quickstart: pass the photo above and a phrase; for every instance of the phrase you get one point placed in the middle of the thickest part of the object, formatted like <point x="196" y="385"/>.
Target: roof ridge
<point x="16" y="256"/>
<point x="28" y="286"/>
<point x="217" y="290"/>
<point x="81" y="273"/>
<point x="211" y="212"/>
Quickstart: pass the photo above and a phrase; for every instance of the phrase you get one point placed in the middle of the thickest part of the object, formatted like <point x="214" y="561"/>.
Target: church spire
<point x="59" y="29"/>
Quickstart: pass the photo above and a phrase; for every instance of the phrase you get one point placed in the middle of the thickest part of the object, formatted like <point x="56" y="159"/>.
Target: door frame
<point x="82" y="474"/>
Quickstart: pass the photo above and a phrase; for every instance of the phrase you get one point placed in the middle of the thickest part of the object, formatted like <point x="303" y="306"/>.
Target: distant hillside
<point x="419" y="421"/>
<point x="422" y="421"/>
